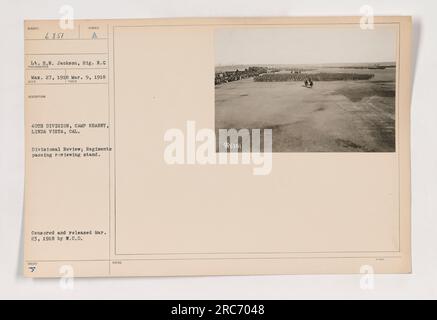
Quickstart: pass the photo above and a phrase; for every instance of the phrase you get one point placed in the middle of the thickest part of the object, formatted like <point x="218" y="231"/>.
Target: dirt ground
<point x="337" y="116"/>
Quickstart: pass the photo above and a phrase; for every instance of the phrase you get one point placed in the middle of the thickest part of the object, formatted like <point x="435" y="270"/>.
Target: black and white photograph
<point x="319" y="89"/>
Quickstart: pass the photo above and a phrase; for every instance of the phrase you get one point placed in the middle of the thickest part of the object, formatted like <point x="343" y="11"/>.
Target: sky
<point x="305" y="45"/>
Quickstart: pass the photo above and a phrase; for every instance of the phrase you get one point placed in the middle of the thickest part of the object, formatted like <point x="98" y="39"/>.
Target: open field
<point x="334" y="116"/>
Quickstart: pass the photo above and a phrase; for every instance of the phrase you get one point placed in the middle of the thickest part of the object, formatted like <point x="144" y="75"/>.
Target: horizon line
<point x="297" y="64"/>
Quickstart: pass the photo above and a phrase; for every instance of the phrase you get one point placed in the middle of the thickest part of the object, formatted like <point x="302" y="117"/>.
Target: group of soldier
<point x="229" y="76"/>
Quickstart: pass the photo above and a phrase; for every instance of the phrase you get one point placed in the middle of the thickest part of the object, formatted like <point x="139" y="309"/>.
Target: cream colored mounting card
<point x="225" y="146"/>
